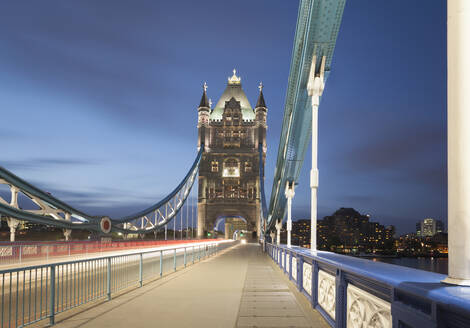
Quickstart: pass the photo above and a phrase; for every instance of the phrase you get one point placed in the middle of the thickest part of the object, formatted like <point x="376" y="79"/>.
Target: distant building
<point x="346" y="231"/>
<point x="301" y="233"/>
<point x="429" y="227"/>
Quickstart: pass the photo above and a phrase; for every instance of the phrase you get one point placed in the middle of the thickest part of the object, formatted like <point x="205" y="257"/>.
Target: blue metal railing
<point x="34" y="293"/>
<point x="354" y="292"/>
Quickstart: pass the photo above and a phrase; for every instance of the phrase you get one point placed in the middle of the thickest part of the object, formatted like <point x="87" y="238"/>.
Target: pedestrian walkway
<point x="241" y="287"/>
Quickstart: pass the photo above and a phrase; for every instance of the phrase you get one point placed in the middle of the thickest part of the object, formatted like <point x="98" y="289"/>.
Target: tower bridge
<point x="229" y="173"/>
<point x="223" y="284"/>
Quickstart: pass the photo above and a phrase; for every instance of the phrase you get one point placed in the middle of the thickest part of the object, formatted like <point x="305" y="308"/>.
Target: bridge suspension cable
<point x="317" y="28"/>
<point x="54" y="212"/>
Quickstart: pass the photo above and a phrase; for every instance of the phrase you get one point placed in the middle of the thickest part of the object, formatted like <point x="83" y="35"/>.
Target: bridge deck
<point x="242" y="287"/>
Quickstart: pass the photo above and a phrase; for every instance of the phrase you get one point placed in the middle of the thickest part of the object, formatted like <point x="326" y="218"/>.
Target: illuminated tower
<point x="229" y="185"/>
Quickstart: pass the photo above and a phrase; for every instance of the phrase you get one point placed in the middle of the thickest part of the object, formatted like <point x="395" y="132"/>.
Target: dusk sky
<point x="98" y="99"/>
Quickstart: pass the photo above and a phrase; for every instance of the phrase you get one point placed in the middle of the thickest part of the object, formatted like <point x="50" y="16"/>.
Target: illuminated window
<point x="215" y="166"/>
<point x="247" y="167"/>
<point x="231" y="169"/>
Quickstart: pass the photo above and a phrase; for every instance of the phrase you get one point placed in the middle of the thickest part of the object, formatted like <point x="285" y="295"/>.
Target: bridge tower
<point x="229" y="173"/>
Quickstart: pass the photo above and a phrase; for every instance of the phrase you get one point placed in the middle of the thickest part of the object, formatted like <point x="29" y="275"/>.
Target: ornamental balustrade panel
<point x="294" y="268"/>
<point x="287" y="262"/>
<point x="326" y="287"/>
<point x="367" y="310"/>
<point x="370" y="292"/>
<point x="307" y="278"/>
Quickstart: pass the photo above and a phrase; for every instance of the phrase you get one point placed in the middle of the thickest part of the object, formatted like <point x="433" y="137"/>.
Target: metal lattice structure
<point x="317" y="28"/>
<point x="53" y="212"/>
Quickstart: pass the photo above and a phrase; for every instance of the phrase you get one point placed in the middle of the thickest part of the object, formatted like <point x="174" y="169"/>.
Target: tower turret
<point x="261" y="112"/>
<point x="203" y="114"/>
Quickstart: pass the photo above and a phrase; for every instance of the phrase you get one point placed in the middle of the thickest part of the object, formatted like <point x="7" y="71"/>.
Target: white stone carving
<point x="287" y="262"/>
<point x="327" y="292"/>
<point x="367" y="310"/>
<point x="294" y="268"/>
<point x="307" y="278"/>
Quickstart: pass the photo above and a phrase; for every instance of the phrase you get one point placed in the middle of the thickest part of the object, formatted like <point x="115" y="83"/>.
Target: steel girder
<point x="317" y="28"/>
<point x="53" y="212"/>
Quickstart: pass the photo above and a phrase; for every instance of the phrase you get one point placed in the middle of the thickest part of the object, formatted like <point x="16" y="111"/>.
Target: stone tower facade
<point x="229" y="180"/>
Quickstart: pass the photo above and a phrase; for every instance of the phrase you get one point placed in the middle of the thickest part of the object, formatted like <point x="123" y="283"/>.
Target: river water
<point x="438" y="265"/>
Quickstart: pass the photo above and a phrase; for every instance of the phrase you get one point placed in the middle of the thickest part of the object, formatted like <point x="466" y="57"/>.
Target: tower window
<point x="215" y="166"/>
<point x="231" y="169"/>
<point x="247" y="166"/>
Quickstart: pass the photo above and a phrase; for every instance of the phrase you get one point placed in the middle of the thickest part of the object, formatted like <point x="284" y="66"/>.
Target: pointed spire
<point x="234" y="79"/>
<point x="260" y="102"/>
<point x="204" y="100"/>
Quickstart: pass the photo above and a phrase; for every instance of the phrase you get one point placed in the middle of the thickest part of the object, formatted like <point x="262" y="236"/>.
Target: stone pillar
<point x="289" y="195"/>
<point x="228" y="231"/>
<point x="458" y="140"/>
<point x="273" y="235"/>
<point x="201" y="220"/>
<point x="315" y="88"/>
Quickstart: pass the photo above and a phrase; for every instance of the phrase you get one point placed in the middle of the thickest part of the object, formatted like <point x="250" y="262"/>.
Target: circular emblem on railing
<point x="105" y="224"/>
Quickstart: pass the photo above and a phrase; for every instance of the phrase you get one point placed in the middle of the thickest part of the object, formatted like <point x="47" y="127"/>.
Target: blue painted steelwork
<point x="417" y="297"/>
<point x="53" y="210"/>
<point x="318" y="24"/>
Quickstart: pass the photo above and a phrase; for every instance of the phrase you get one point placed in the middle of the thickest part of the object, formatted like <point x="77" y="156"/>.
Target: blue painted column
<point x="341" y="299"/>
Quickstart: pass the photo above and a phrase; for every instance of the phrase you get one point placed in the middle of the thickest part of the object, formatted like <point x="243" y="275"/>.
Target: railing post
<point x="300" y="273"/>
<point x="161" y="263"/>
<point x="174" y="260"/>
<point x="193" y="254"/>
<point x="185" y="257"/>
<point x="314" y="283"/>
<point x="108" y="280"/>
<point x="340" y="308"/>
<point x="52" y="299"/>
<point x="20" y="254"/>
<point x="141" y="269"/>
<point x="290" y="265"/>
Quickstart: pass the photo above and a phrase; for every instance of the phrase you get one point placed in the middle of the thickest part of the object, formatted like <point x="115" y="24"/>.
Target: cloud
<point x="361" y="199"/>
<point x="392" y="151"/>
<point x="39" y="163"/>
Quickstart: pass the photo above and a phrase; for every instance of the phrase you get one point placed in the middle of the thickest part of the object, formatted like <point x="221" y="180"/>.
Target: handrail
<point x="39" y="292"/>
<point x="386" y="292"/>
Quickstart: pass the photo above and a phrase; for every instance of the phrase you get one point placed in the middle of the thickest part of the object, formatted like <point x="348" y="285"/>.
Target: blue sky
<point x="98" y="99"/>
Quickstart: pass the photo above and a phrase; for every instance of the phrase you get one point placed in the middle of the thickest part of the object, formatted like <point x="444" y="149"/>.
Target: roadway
<point x="240" y="287"/>
<point x="98" y="254"/>
<point x="25" y="295"/>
